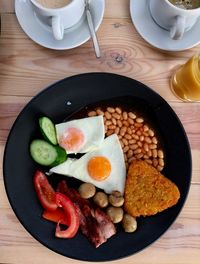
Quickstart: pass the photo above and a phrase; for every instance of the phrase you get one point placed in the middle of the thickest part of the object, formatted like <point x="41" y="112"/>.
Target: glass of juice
<point x="185" y="82"/>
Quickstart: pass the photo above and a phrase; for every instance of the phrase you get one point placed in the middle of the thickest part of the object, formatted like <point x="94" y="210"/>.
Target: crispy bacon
<point x="94" y="223"/>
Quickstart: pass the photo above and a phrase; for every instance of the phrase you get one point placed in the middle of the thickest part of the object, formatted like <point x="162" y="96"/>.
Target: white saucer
<point x="157" y="36"/>
<point x="41" y="33"/>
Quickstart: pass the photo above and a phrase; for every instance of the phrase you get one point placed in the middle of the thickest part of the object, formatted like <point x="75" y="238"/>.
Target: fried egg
<point x="81" y="135"/>
<point x="104" y="167"/>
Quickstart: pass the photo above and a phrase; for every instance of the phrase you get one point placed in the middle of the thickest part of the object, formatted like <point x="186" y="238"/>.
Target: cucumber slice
<point x="46" y="154"/>
<point x="61" y="157"/>
<point x="48" y="129"/>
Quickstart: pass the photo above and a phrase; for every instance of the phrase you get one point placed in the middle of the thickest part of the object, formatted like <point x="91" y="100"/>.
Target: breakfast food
<point x="81" y="135"/>
<point x="129" y="223"/>
<point x="94" y="223"/>
<point x="137" y="139"/>
<point x="147" y="191"/>
<point x="104" y="167"/>
<point x="101" y="199"/>
<point x="115" y="214"/>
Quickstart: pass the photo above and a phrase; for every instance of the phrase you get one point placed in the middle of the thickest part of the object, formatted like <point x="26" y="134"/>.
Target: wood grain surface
<point x="26" y="68"/>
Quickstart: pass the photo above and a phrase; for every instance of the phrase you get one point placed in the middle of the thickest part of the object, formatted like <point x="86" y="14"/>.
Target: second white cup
<point x="172" y="18"/>
<point x="62" y="14"/>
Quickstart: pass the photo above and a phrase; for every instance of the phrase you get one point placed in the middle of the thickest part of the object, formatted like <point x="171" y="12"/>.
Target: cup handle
<point x="177" y="30"/>
<point x="57" y="27"/>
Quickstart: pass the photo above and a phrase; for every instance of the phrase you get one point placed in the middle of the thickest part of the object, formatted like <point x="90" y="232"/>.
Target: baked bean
<point x="110" y="132"/>
<point x="139" y="143"/>
<point x="132" y="115"/>
<point x="110" y="110"/>
<point x="133" y="146"/>
<point x="145" y="128"/>
<point x="129" y="131"/>
<point x="146" y="147"/>
<point x="154" y="140"/>
<point x="119" y="123"/>
<point x="139" y="133"/>
<point x="152" y="146"/>
<point x="141" y="138"/>
<point x="135" y="136"/>
<point x="139" y="120"/>
<point x="99" y="112"/>
<point x="130" y="153"/>
<point x="138" y="125"/>
<point x="112" y="127"/>
<point x="117" y="130"/>
<point x="114" y="121"/>
<point x="159" y="168"/>
<point x="127" y="136"/>
<point x="145" y="156"/>
<point x="131" y="159"/>
<point x="125" y="141"/>
<point x="160" y="154"/>
<point x="151" y="133"/>
<point x="146" y="134"/>
<point x="125" y="115"/>
<point x="155" y="163"/>
<point x="116" y="116"/>
<point x="147" y="140"/>
<point x="137" y="151"/>
<point x="154" y="153"/>
<point x="161" y="162"/>
<point x="139" y="156"/>
<point x="108" y="123"/>
<point x="123" y="130"/>
<point x="92" y="113"/>
<point x="126" y="148"/>
<point x="132" y="141"/>
<point x="149" y="153"/>
<point x="121" y="142"/>
<point x="149" y="161"/>
<point x="125" y="123"/>
<point x="108" y="115"/>
<point x="131" y="121"/>
<point x="118" y="110"/>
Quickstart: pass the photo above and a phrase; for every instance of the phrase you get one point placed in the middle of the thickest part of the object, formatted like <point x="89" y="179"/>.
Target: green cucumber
<point x="46" y="154"/>
<point x="48" y="130"/>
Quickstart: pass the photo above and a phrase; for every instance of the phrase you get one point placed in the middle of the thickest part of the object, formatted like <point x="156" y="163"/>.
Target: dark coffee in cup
<point x="186" y="4"/>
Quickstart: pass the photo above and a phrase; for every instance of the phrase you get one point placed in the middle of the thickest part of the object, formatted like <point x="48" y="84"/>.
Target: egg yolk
<point x="99" y="168"/>
<point x="72" y="140"/>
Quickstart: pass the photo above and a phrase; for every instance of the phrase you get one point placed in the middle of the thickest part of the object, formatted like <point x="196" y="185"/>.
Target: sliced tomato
<point x="56" y="216"/>
<point x="45" y="191"/>
<point x="72" y="215"/>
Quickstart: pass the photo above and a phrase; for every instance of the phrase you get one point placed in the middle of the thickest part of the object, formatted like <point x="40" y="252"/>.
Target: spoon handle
<point x="92" y="31"/>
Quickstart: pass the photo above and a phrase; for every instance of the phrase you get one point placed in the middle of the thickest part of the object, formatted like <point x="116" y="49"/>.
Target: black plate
<point x="63" y="99"/>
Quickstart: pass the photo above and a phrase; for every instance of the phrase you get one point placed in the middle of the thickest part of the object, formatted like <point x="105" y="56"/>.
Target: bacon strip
<point x="94" y="223"/>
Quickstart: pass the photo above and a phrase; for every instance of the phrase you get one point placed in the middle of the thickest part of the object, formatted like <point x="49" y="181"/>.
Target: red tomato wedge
<point x="71" y="213"/>
<point x="56" y="216"/>
<point x="45" y="191"/>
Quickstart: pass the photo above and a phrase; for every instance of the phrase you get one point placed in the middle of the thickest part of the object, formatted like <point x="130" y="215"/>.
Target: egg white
<point x="92" y="128"/>
<point x="111" y="149"/>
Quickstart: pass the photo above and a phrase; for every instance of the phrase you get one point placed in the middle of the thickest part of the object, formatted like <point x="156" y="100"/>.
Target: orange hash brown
<point x="147" y="191"/>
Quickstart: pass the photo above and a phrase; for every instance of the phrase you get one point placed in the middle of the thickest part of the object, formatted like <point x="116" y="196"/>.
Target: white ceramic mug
<point x="172" y="18"/>
<point x="61" y="18"/>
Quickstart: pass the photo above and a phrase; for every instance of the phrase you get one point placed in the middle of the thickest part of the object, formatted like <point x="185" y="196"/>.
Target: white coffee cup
<point x="61" y="18"/>
<point x="172" y="18"/>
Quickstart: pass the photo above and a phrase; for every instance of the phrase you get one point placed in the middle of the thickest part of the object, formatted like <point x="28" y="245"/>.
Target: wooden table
<point x="26" y="68"/>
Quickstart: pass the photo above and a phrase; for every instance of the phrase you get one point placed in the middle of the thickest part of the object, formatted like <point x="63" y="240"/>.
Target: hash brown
<point x="147" y="191"/>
